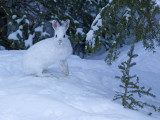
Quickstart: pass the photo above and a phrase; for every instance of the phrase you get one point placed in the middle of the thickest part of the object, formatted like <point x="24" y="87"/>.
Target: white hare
<point x="49" y="51"/>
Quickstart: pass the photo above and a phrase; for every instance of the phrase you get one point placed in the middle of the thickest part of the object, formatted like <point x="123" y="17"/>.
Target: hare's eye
<point x="56" y="35"/>
<point x="64" y="36"/>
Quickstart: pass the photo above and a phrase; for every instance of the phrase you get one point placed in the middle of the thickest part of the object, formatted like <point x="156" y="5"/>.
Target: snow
<point x="14" y="16"/>
<point x="95" y="26"/>
<point x="90" y="38"/>
<point x="29" y="41"/>
<point x="13" y="35"/>
<point x="86" y="94"/>
<point x="20" y="19"/>
<point x="97" y="23"/>
<point x="127" y="14"/>
<point x="39" y="29"/>
<point x="89" y="35"/>
<point x="27" y="21"/>
<point x="45" y="33"/>
<point x="80" y="30"/>
<point x="2" y="48"/>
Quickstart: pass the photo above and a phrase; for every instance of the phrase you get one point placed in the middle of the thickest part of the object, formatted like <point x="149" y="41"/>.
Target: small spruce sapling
<point x="130" y="84"/>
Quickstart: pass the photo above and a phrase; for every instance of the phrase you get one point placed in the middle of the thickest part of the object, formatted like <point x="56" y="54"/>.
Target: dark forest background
<point x="112" y="24"/>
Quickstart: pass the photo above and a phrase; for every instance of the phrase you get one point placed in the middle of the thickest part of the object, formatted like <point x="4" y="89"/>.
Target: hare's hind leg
<point x="43" y="74"/>
<point x="39" y="72"/>
<point x="46" y="75"/>
<point x="64" y="67"/>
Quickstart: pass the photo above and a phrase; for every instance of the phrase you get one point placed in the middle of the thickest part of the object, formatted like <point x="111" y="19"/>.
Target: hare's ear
<point x="66" y="24"/>
<point x="55" y="24"/>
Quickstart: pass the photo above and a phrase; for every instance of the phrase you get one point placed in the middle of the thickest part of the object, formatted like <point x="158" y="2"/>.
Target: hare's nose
<point x="59" y="41"/>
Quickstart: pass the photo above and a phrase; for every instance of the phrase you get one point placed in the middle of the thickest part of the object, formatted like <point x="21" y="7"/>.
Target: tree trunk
<point x="3" y="25"/>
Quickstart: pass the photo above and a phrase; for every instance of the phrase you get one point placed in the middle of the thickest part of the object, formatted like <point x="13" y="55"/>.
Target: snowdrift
<point x="86" y="94"/>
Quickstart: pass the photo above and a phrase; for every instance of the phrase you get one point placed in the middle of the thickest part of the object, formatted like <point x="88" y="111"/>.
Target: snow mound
<point x="86" y="94"/>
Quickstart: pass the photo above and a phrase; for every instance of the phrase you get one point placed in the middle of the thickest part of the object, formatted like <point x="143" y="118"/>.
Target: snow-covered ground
<point x="86" y="94"/>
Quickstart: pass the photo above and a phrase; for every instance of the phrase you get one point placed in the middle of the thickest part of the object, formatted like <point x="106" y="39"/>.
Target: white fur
<point x="49" y="51"/>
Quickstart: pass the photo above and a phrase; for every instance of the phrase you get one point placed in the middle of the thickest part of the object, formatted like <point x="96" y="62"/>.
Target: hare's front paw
<point x="64" y="67"/>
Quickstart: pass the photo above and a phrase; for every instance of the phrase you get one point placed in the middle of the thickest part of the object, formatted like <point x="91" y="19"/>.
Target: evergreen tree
<point x="81" y="17"/>
<point x="23" y="19"/>
<point x="130" y="84"/>
<point x="25" y="16"/>
<point x="124" y="22"/>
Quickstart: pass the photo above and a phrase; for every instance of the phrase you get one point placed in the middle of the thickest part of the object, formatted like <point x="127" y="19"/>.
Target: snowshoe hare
<point x="49" y="51"/>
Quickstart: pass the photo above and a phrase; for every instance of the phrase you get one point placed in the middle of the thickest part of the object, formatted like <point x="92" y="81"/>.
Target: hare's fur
<point x="49" y="51"/>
